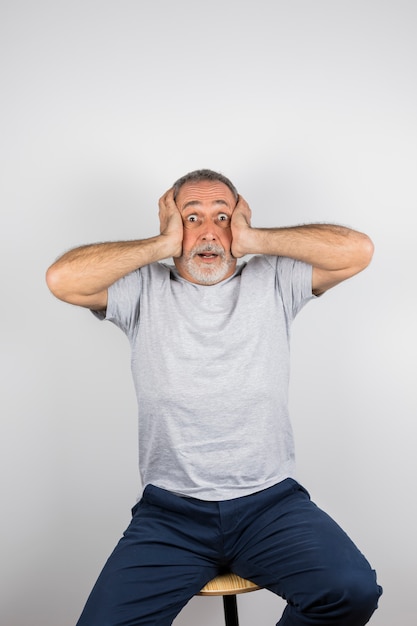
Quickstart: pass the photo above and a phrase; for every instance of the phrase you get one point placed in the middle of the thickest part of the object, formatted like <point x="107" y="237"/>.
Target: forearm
<point x="82" y="276"/>
<point x="324" y="246"/>
<point x="88" y="270"/>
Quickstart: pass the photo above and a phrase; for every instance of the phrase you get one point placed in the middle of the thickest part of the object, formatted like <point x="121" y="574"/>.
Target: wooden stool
<point x="228" y="585"/>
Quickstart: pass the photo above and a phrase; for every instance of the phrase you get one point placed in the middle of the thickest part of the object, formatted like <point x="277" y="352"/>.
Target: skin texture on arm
<point x="83" y="275"/>
<point x="335" y="252"/>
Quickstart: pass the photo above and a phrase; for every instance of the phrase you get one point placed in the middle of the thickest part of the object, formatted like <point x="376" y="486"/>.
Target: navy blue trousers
<point x="277" y="538"/>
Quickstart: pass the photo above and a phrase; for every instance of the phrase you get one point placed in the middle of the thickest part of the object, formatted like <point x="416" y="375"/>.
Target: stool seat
<point x="227" y="584"/>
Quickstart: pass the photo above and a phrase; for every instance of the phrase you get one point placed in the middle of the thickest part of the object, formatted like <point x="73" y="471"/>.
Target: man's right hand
<point x="171" y="225"/>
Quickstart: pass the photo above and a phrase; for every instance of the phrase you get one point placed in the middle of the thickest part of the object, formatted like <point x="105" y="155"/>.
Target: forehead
<point x="205" y="192"/>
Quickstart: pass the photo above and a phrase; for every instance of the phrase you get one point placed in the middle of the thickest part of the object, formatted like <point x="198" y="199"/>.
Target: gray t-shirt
<point x="210" y="366"/>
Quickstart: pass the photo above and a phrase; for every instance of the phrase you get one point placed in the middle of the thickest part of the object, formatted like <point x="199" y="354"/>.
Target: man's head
<point x="206" y="201"/>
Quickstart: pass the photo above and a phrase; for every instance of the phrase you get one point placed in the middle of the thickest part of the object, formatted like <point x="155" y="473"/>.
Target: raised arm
<point x="335" y="252"/>
<point x="83" y="275"/>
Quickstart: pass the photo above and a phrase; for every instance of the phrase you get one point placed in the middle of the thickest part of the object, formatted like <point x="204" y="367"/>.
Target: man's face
<point x="206" y="208"/>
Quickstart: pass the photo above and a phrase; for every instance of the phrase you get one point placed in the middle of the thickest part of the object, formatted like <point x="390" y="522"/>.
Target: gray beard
<point x="208" y="275"/>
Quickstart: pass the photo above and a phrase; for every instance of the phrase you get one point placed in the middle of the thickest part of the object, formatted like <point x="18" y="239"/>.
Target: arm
<point x="335" y="252"/>
<point x="83" y="275"/>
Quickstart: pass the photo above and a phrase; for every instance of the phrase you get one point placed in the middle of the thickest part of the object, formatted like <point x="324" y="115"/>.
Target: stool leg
<point x="230" y="610"/>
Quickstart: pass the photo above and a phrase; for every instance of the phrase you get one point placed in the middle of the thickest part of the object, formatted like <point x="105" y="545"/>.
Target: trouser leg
<point x="288" y="545"/>
<point x="164" y="558"/>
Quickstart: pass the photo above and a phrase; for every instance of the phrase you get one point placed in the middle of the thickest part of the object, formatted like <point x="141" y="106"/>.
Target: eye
<point x="223" y="219"/>
<point x="192" y="221"/>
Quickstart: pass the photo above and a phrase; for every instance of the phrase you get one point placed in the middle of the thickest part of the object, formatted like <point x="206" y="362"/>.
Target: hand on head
<point x="241" y="225"/>
<point x="170" y="220"/>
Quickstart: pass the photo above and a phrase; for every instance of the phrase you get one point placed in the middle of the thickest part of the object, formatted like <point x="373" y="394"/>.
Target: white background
<point x="310" y="108"/>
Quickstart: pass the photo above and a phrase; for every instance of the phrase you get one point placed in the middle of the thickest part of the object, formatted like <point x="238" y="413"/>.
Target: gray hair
<point x="199" y="175"/>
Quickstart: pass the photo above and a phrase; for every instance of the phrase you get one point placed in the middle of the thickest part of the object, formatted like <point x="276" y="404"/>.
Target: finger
<point x="168" y="199"/>
<point x="242" y="202"/>
<point x="166" y="194"/>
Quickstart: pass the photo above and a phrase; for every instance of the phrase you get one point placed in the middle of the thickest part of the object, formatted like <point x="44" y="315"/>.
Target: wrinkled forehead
<point x="206" y="193"/>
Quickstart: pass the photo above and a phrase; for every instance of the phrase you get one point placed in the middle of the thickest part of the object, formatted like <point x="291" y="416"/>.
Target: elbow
<point x="366" y="251"/>
<point x="361" y="253"/>
<point x="55" y="281"/>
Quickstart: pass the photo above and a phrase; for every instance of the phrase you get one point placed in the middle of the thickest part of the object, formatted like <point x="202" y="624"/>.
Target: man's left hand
<point x="241" y="228"/>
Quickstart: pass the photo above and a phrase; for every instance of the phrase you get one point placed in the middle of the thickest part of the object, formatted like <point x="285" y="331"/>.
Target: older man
<point x="210" y="363"/>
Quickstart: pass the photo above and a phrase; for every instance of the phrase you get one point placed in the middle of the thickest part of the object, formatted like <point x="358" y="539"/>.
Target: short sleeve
<point x="123" y="303"/>
<point x="294" y="283"/>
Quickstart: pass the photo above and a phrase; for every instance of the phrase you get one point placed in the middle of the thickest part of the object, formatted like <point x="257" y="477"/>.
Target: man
<point x="210" y="359"/>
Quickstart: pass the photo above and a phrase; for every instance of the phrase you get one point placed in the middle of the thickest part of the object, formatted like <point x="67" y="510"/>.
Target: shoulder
<point x="287" y="275"/>
<point x="270" y="263"/>
<point x="147" y="274"/>
<point x="259" y="263"/>
<point x="155" y="272"/>
<point x="131" y="286"/>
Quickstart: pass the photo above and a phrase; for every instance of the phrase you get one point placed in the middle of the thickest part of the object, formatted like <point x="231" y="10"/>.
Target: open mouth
<point x="208" y="255"/>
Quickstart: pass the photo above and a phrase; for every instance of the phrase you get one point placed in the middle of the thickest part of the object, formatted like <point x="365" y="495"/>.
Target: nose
<point x="208" y="237"/>
<point x="208" y="233"/>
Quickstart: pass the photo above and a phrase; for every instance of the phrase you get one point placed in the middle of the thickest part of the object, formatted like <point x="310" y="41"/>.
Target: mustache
<point x="208" y="247"/>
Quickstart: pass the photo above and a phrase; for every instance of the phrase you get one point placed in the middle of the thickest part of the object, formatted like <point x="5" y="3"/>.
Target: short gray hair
<point x="199" y="175"/>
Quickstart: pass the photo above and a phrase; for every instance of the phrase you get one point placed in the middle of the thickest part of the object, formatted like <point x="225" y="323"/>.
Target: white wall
<point x="310" y="107"/>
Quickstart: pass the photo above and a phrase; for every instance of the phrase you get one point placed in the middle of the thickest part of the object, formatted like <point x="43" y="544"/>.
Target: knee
<point x="347" y="598"/>
<point x="365" y="593"/>
<point x="353" y="598"/>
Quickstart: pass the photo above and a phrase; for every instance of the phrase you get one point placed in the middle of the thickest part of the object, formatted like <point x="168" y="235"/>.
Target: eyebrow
<point x="192" y="203"/>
